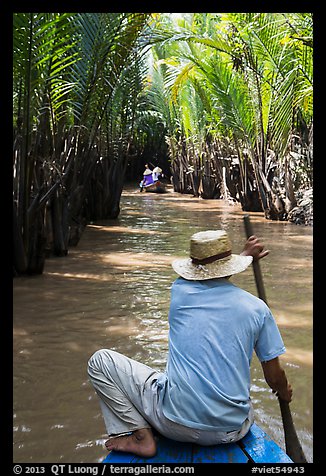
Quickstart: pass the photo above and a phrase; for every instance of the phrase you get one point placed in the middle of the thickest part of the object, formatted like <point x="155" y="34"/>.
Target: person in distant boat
<point x="157" y="173"/>
<point x="203" y="396"/>
<point x="147" y="177"/>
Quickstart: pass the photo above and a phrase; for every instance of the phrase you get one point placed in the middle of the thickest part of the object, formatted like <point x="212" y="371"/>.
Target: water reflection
<point x="113" y="291"/>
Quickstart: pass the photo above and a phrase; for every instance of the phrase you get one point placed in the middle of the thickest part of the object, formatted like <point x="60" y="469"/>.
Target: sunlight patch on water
<point x="293" y="318"/>
<point x="126" y="229"/>
<point x="123" y="260"/>
<point x="297" y="355"/>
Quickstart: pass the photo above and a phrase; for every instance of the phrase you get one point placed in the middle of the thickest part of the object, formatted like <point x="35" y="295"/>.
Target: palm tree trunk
<point x="20" y="258"/>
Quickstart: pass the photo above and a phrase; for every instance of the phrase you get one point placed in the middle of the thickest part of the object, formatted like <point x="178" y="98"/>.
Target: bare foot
<point x="140" y="442"/>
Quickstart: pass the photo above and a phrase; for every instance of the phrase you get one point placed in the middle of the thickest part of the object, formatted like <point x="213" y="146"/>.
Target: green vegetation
<point x="224" y="101"/>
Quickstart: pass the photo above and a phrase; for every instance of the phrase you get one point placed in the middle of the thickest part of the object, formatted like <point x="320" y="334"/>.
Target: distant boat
<point x="255" y="447"/>
<point x="152" y="180"/>
<point x="156" y="187"/>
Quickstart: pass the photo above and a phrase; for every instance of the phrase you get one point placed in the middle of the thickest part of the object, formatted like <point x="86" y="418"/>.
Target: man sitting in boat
<point x="203" y="396"/>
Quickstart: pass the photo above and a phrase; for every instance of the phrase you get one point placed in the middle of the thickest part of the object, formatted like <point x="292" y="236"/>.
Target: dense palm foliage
<point x="239" y="87"/>
<point x="76" y="77"/>
<point x="227" y="96"/>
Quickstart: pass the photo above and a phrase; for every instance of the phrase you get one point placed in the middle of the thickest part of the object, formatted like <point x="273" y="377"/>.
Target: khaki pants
<point x="130" y="400"/>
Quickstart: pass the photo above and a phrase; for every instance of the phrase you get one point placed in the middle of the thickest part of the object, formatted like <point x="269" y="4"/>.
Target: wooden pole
<point x="292" y="444"/>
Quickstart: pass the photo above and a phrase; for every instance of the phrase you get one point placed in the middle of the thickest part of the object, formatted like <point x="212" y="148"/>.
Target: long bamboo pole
<point x="292" y="444"/>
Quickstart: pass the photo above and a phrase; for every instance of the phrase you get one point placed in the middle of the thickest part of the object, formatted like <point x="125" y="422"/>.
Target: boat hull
<point x="156" y="187"/>
<point x="255" y="447"/>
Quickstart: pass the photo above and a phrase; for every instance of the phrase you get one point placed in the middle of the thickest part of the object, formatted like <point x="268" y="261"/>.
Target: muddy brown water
<point x="113" y="290"/>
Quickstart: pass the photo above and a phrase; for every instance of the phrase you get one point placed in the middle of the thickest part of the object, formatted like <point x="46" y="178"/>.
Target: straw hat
<point x="210" y="257"/>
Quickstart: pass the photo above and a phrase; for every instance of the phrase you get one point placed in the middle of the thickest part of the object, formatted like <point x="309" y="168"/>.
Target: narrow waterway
<point x="113" y="291"/>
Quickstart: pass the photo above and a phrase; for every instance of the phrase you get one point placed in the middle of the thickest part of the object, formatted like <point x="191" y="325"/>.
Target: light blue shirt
<point x="214" y="328"/>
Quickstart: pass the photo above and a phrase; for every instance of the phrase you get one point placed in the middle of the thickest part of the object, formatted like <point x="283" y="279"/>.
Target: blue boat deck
<point x="255" y="447"/>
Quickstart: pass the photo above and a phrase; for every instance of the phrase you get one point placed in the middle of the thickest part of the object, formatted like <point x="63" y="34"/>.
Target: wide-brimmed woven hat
<point x="210" y="257"/>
